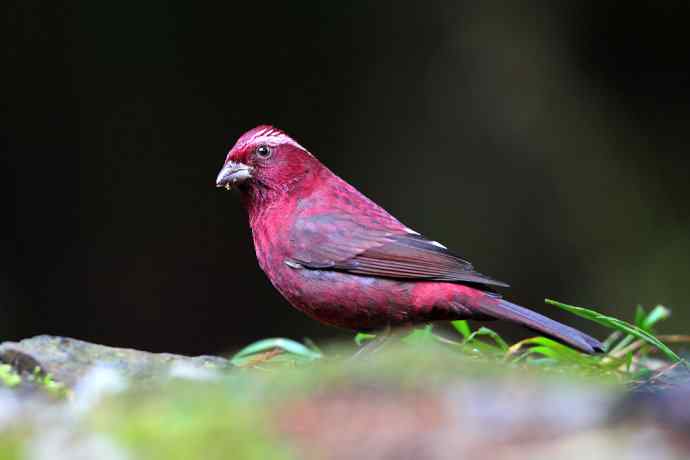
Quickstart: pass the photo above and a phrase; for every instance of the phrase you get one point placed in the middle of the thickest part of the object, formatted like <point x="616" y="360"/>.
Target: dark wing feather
<point x="335" y="242"/>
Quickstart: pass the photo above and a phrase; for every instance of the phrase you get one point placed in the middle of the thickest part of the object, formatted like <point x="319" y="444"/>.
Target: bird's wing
<point x="336" y="242"/>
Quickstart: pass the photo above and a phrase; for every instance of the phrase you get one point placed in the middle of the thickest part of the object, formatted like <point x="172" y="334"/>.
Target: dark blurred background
<point x="547" y="142"/>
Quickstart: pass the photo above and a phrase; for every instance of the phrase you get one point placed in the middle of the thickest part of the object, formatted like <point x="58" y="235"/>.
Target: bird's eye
<point x="263" y="152"/>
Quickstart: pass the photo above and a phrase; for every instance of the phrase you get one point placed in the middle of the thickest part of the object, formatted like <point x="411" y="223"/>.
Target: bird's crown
<point x="268" y="135"/>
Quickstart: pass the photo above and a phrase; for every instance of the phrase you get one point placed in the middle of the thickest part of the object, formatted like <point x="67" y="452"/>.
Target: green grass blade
<point x="491" y="334"/>
<point x="287" y="345"/>
<point x="556" y="350"/>
<point x="420" y="336"/>
<point x="615" y="323"/>
<point x="462" y="327"/>
<point x="362" y="337"/>
<point x="644" y="321"/>
<point x="312" y="345"/>
<point x="640" y="315"/>
<point x="611" y="339"/>
<point x="657" y="314"/>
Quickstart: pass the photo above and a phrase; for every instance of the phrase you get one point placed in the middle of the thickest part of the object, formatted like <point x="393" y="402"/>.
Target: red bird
<point x="343" y="260"/>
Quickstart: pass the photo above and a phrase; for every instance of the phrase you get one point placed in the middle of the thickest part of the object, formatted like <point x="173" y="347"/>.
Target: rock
<point x="68" y="360"/>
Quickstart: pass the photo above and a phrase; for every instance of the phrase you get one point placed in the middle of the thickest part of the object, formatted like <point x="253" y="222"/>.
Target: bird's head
<point x="265" y="160"/>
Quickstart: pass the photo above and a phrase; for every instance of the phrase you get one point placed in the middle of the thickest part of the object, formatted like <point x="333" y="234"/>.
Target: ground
<point x="65" y="398"/>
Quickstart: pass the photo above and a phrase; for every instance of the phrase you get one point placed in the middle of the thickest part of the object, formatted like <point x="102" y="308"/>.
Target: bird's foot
<point x="380" y="341"/>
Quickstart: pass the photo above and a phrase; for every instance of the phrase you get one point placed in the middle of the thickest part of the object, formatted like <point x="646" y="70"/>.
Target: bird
<point x="343" y="260"/>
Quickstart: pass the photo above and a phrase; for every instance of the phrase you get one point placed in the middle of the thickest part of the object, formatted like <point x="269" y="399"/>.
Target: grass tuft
<point x="642" y="331"/>
<point x="631" y="348"/>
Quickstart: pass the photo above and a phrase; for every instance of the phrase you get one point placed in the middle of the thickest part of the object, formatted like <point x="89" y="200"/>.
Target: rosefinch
<point x="343" y="260"/>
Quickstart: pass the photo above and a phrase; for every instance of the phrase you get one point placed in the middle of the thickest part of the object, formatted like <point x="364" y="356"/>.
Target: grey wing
<point x="336" y="242"/>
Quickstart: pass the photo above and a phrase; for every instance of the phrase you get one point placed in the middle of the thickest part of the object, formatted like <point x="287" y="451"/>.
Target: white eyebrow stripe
<point x="274" y="137"/>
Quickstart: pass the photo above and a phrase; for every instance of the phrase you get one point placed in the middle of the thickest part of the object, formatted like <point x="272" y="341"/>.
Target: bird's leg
<point x="383" y="337"/>
<point x="374" y="345"/>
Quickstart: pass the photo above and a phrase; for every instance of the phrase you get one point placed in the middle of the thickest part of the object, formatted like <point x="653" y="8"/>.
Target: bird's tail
<point x="502" y="309"/>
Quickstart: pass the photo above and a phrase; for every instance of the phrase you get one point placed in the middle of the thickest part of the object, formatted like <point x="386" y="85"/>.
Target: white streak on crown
<point x="273" y="137"/>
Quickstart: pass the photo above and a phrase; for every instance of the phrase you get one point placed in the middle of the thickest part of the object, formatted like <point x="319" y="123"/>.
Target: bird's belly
<point x="345" y="300"/>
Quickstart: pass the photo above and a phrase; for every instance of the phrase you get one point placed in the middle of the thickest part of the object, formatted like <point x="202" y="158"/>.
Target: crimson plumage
<point x="343" y="260"/>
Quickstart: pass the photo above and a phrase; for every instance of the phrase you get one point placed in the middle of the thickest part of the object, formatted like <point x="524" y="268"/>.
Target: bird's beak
<point x="233" y="173"/>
